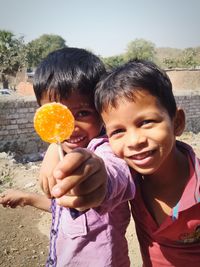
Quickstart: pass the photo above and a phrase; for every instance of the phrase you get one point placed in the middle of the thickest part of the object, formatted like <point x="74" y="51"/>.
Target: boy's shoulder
<point x="191" y="155"/>
<point x="186" y="148"/>
<point x="100" y="143"/>
<point x="101" y="147"/>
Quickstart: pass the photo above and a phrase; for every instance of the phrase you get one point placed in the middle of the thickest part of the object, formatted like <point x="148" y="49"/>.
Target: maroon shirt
<point x="176" y="242"/>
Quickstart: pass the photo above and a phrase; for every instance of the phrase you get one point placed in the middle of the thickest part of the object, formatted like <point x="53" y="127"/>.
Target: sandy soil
<point x="24" y="231"/>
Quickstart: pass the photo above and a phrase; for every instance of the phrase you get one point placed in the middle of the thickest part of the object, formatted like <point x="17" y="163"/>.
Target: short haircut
<point x="131" y="77"/>
<point x="65" y="71"/>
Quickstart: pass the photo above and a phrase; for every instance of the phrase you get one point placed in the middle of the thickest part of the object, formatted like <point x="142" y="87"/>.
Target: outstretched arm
<point x="13" y="198"/>
<point x="85" y="180"/>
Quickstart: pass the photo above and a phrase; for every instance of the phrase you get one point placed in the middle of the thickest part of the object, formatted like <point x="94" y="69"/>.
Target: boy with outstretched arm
<point x="91" y="238"/>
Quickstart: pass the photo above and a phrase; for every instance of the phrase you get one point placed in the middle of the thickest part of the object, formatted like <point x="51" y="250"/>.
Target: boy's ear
<point x="179" y="122"/>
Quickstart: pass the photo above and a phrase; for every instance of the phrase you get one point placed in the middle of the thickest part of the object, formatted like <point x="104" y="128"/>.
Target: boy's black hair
<point x="65" y="71"/>
<point x="131" y="77"/>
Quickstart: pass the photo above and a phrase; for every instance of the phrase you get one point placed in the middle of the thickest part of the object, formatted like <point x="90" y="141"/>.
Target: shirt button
<point x="53" y="232"/>
<point x="51" y="261"/>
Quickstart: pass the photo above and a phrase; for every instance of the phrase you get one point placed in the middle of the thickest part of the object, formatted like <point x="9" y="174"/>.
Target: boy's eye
<point x="83" y="113"/>
<point x="147" y="122"/>
<point x="115" y="132"/>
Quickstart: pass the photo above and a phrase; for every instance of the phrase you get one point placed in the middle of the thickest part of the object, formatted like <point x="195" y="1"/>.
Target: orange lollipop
<point x="54" y="122"/>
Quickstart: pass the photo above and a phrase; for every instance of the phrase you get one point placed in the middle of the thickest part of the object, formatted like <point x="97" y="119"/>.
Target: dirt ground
<point x="24" y="231"/>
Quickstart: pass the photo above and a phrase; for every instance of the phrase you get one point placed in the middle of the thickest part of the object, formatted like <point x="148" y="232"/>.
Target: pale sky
<point x="105" y="26"/>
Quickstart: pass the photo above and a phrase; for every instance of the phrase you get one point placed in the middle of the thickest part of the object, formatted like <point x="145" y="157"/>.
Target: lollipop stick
<point x="60" y="151"/>
<point x="74" y="213"/>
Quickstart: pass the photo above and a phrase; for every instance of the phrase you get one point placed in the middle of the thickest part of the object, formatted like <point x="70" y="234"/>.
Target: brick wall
<point x="18" y="135"/>
<point x="191" y="105"/>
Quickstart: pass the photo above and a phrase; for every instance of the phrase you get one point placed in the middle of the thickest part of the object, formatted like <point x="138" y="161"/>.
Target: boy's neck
<point x="176" y="169"/>
<point x="162" y="190"/>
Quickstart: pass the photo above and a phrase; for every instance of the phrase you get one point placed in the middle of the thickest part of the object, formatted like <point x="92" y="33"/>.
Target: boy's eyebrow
<point x="83" y="106"/>
<point x="112" y="126"/>
<point x="142" y="115"/>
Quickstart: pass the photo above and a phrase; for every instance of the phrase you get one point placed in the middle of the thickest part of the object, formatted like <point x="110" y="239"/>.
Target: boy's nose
<point x="76" y="126"/>
<point x="135" y="140"/>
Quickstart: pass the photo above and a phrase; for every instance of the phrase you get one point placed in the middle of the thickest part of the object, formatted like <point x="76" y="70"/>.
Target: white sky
<point x="105" y="26"/>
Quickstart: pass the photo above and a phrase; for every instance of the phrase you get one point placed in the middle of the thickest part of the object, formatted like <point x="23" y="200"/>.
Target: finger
<point x="84" y="202"/>
<point x="71" y="162"/>
<point x="6" y="204"/>
<point x="12" y="207"/>
<point x="93" y="199"/>
<point x="4" y="200"/>
<point x="89" y="185"/>
<point x="87" y="169"/>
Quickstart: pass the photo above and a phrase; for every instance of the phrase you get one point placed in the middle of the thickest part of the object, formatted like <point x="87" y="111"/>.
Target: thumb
<point x="71" y="162"/>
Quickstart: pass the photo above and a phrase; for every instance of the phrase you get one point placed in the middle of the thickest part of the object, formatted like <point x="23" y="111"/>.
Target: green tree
<point x="114" y="61"/>
<point x="170" y="63"/>
<point x="12" y="55"/>
<point x="197" y="57"/>
<point x="39" y="48"/>
<point x="140" y="49"/>
<point x="188" y="59"/>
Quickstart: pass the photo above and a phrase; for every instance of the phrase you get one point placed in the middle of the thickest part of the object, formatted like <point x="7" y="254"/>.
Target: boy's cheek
<point x="116" y="148"/>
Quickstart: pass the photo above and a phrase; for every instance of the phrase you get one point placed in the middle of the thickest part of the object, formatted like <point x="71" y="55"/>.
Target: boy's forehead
<point x="141" y="102"/>
<point x="75" y="100"/>
<point x="81" y="105"/>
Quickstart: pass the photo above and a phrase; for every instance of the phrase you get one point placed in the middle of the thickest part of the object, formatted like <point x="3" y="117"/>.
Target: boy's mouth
<point x="75" y="140"/>
<point x="142" y="159"/>
<point x="143" y="155"/>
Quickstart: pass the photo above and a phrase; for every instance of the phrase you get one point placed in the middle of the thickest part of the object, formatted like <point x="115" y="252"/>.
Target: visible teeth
<point x="143" y="155"/>
<point x="75" y="140"/>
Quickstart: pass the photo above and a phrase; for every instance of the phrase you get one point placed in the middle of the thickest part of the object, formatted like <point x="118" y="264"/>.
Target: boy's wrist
<point x="27" y="199"/>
